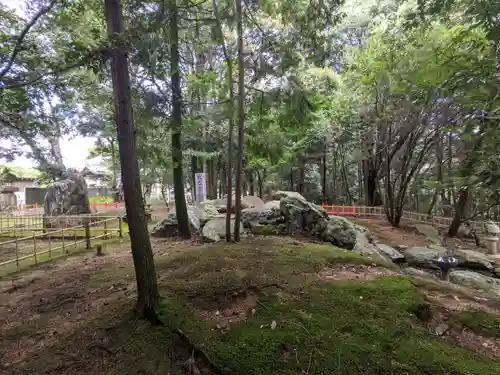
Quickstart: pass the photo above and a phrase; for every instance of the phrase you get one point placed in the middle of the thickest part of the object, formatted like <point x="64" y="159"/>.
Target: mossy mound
<point x="355" y="327"/>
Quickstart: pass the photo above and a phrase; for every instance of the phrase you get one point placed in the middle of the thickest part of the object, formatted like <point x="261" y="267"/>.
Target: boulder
<point x="215" y="229"/>
<point x="341" y="232"/>
<point x="168" y="226"/>
<point x="427" y="230"/>
<point x="300" y="214"/>
<point x="464" y="231"/>
<point x="247" y="201"/>
<point x="473" y="259"/>
<point x="422" y="256"/>
<point x="66" y="196"/>
<point x="252" y="201"/>
<point x="476" y="281"/>
<point x="267" y="214"/>
<point x="292" y="194"/>
<point x="390" y="253"/>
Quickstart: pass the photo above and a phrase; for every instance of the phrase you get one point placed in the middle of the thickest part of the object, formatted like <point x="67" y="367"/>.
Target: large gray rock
<point x="464" y="231"/>
<point x="267" y="214"/>
<point x="208" y="208"/>
<point x="168" y="227"/>
<point x="247" y="201"/>
<point x="215" y="229"/>
<point x="473" y="259"/>
<point x="292" y="194"/>
<point x="252" y="201"/>
<point x="67" y="196"/>
<point x="390" y="253"/>
<point x="341" y="232"/>
<point x="476" y="281"/>
<point x="423" y="256"/>
<point x="299" y="214"/>
<point x="427" y="230"/>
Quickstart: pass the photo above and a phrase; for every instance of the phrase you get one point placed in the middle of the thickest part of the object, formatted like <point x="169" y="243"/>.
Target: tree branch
<point x="93" y="54"/>
<point x="23" y="34"/>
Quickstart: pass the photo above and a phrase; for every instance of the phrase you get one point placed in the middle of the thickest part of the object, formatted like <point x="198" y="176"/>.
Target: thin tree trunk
<point x="142" y="253"/>
<point x="113" y="163"/>
<point x="180" y="199"/>
<point x="241" y="118"/>
<point x="439" y="174"/>
<point x="300" y="186"/>
<point x="323" y="182"/>
<point x="260" y="182"/>
<point x="251" y="182"/>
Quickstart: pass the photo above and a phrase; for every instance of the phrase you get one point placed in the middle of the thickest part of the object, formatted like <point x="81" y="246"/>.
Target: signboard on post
<point x="201" y="187"/>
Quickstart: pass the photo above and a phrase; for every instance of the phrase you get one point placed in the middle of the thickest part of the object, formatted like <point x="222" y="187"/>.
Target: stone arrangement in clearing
<point x="289" y="213"/>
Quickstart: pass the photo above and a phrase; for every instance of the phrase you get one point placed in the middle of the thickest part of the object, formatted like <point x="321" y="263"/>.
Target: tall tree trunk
<point x="451" y="194"/>
<point x="113" y="163"/>
<point x="323" y="182"/>
<point x="241" y="118"/>
<point x="228" y="171"/>
<point x="291" y="179"/>
<point x="260" y="182"/>
<point x="460" y="209"/>
<point x="251" y="182"/>
<point x="147" y="289"/>
<point x="180" y="199"/>
<point x="439" y="174"/>
<point x="300" y="186"/>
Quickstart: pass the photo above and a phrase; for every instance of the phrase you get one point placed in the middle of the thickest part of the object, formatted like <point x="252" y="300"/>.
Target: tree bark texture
<point x="180" y="199"/>
<point x="241" y="119"/>
<point x="142" y="253"/>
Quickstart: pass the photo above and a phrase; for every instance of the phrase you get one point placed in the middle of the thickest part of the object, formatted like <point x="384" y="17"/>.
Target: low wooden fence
<point x="43" y="245"/>
<point x="367" y="211"/>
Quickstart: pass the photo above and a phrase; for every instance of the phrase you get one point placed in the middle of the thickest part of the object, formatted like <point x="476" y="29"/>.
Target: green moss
<point x="481" y="322"/>
<point x="346" y="327"/>
<point x="265" y="230"/>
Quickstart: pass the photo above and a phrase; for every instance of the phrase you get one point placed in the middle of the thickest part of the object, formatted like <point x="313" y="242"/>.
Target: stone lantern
<point x="492" y="231"/>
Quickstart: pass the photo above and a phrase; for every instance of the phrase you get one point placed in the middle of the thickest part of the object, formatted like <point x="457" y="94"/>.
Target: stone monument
<point x="67" y="196"/>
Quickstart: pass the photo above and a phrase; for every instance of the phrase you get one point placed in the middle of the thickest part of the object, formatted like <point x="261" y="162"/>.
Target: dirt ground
<point x="407" y="236"/>
<point x="87" y="297"/>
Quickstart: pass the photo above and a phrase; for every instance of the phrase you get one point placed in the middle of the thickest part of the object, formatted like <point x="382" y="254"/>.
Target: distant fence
<point x="438" y="221"/>
<point x="36" y="195"/>
<point x="31" y="243"/>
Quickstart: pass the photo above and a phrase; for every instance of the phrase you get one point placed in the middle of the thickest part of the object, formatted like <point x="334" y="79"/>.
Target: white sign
<point x="201" y="187"/>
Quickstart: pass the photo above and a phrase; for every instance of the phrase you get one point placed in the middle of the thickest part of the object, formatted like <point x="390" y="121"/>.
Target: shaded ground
<point x="266" y="306"/>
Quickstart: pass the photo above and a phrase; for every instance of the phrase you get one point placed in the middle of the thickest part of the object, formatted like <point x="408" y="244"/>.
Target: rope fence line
<point x="367" y="211"/>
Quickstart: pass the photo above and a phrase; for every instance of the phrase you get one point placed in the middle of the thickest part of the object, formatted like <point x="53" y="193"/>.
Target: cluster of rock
<point x="207" y="218"/>
<point x="288" y="212"/>
<point x="474" y="269"/>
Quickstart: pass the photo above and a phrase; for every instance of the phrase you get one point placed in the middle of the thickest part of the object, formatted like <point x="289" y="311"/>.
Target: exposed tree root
<point x="199" y="354"/>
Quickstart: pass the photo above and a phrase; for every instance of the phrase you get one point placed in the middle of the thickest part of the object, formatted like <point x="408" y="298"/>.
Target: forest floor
<point x="269" y="305"/>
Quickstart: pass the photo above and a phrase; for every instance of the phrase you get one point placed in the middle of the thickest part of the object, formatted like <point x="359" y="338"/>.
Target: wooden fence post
<point x="63" y="245"/>
<point x="34" y="247"/>
<point x="106" y="229"/>
<point x="87" y="235"/>
<point x="120" y="227"/>
<point x="17" y="254"/>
